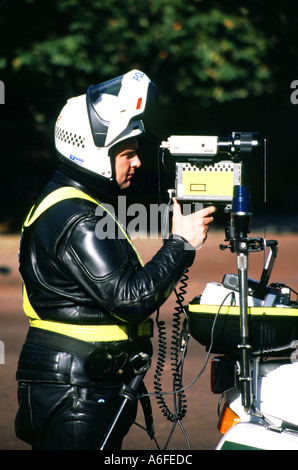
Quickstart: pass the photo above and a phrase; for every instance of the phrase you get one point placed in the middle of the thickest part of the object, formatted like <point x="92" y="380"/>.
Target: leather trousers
<point x="60" y="408"/>
<point x="69" y="417"/>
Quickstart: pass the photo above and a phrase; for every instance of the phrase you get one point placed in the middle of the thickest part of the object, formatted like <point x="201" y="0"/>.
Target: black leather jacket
<point x="74" y="277"/>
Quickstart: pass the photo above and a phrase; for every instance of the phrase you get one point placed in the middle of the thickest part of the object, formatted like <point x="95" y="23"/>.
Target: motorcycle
<point x="251" y="327"/>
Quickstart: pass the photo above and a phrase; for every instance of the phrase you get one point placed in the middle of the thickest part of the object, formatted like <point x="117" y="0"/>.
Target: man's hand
<point x="192" y="227"/>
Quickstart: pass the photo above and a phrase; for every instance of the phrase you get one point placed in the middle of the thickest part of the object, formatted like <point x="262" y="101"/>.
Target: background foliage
<point x="220" y="66"/>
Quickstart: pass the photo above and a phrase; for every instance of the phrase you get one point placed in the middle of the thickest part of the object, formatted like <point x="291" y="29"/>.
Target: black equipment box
<point x="273" y="330"/>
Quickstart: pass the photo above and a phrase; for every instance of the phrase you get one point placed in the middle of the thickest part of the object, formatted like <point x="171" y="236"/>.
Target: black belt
<point x="76" y="346"/>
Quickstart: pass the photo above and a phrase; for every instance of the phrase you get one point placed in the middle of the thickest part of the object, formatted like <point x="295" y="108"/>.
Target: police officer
<point x="89" y="298"/>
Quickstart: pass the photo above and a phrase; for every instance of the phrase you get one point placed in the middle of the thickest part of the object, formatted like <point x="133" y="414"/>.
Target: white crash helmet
<point x="90" y="125"/>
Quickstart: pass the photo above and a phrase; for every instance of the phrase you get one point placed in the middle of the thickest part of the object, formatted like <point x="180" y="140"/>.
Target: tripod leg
<point x="112" y="426"/>
<point x="242" y="263"/>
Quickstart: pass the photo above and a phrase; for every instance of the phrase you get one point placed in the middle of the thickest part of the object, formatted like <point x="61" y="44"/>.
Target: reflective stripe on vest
<point x="96" y="333"/>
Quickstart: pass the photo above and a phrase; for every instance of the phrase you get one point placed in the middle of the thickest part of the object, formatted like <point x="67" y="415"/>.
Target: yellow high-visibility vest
<point x="94" y="333"/>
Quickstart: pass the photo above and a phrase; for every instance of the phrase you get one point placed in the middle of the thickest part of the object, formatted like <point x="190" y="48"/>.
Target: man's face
<point x="126" y="162"/>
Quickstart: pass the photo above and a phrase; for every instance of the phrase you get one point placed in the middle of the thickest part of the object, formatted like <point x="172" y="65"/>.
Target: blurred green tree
<point x="207" y="49"/>
<point x="209" y="59"/>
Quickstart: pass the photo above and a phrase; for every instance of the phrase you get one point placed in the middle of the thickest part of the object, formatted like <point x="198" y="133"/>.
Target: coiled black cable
<point x="179" y="342"/>
<point x="161" y="355"/>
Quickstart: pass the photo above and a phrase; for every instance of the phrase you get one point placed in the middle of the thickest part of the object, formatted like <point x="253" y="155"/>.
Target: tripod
<point x="242" y="245"/>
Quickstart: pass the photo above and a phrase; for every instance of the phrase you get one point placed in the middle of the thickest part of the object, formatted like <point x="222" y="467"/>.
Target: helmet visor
<point x="114" y="104"/>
